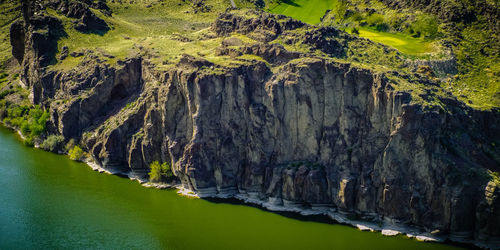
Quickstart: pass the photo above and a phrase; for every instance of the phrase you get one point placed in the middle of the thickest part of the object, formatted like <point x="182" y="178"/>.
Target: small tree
<point x="76" y="153"/>
<point x="159" y="172"/>
<point x="426" y="25"/>
<point x="53" y="143"/>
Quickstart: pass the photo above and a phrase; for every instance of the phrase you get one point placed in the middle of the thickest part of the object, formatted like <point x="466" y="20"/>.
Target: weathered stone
<point x="17" y="38"/>
<point x="87" y="20"/>
<point x="64" y="53"/>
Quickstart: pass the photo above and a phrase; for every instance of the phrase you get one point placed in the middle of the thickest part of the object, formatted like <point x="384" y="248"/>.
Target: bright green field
<point x="405" y="44"/>
<point x="309" y="11"/>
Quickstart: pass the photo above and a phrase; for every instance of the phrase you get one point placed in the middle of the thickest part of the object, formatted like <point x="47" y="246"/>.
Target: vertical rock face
<point x="312" y="132"/>
<point x="17" y="40"/>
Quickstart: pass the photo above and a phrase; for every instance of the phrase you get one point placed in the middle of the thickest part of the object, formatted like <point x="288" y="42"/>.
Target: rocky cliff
<point x="293" y="129"/>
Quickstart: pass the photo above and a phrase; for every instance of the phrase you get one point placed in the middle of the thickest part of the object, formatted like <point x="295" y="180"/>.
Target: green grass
<point x="405" y="44"/>
<point x="156" y="29"/>
<point x="309" y="11"/>
<point x="7" y="15"/>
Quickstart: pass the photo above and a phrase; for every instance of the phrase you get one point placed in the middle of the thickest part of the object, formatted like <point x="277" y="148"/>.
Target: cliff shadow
<point x="290" y="2"/>
<point x="321" y="219"/>
<point x="47" y="31"/>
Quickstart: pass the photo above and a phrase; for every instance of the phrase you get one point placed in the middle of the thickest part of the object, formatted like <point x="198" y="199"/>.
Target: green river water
<point x="50" y="202"/>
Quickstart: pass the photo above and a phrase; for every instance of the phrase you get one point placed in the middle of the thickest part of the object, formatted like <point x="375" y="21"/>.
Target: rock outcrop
<point x="86" y="20"/>
<point x="34" y="45"/>
<point x="312" y="132"/>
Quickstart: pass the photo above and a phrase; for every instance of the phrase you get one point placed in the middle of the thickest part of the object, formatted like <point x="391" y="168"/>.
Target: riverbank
<point x="387" y="228"/>
<point x="51" y="202"/>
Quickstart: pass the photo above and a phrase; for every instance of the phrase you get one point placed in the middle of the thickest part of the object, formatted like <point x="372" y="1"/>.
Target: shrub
<point x="76" y="153"/>
<point x="375" y="19"/>
<point x="426" y="25"/>
<point x="31" y="120"/>
<point x="355" y="31"/>
<point x="71" y="144"/>
<point x="382" y="27"/>
<point x="357" y="17"/>
<point x="25" y="128"/>
<point x="28" y="141"/>
<point x="160" y="172"/>
<point x="53" y="143"/>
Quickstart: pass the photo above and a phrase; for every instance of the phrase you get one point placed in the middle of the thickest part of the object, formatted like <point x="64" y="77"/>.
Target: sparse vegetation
<point x="71" y="144"/>
<point x="426" y="26"/>
<point x="30" y="120"/>
<point x="495" y="177"/>
<point x="160" y="172"/>
<point x="155" y="29"/>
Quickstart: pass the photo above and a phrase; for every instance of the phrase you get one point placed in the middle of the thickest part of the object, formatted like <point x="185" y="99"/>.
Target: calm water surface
<point x="48" y="201"/>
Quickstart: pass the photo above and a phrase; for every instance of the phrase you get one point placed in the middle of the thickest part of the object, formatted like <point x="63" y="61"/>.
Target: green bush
<point x="53" y="143"/>
<point x="28" y="141"/>
<point x="357" y="17"/>
<point x="375" y="19"/>
<point x="159" y="172"/>
<point x="31" y="120"/>
<point x="426" y="26"/>
<point x="76" y="153"/>
<point x="25" y="128"/>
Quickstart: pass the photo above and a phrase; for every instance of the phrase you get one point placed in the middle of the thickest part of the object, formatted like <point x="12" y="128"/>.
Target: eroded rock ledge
<point x="312" y="132"/>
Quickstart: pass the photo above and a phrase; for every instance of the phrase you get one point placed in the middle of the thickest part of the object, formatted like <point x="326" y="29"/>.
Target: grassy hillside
<point x="9" y="12"/>
<point x="166" y="29"/>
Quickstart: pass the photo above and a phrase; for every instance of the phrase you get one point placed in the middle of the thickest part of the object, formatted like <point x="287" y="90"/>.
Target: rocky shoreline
<point x="386" y="228"/>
